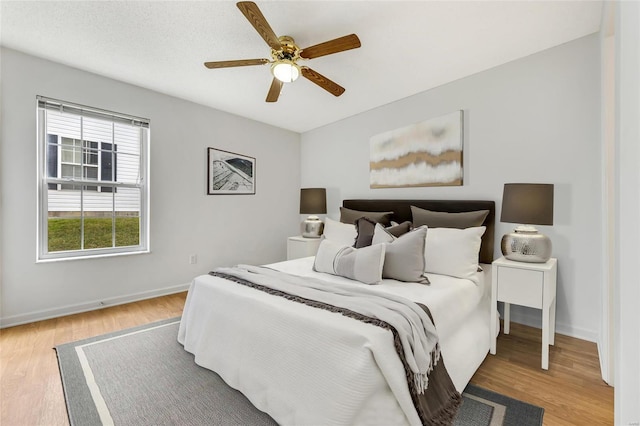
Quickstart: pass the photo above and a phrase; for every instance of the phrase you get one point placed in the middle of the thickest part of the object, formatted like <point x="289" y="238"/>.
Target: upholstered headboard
<point x="402" y="211"/>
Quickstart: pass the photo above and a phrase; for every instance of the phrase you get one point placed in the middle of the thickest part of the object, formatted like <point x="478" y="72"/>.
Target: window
<point x="93" y="181"/>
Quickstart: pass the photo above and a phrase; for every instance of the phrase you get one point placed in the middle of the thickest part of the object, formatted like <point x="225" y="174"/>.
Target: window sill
<point x="91" y="256"/>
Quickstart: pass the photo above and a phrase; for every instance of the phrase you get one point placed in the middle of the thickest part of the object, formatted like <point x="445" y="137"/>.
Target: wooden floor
<point x="571" y="391"/>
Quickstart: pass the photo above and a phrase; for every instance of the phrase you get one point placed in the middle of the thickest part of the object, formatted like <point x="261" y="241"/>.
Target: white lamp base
<point x="526" y="244"/>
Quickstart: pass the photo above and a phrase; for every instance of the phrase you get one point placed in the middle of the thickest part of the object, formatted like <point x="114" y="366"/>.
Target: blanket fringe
<point x="447" y="414"/>
<point x="421" y="380"/>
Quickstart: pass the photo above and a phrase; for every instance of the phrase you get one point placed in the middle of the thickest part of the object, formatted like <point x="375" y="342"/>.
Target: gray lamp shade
<point x="527" y="203"/>
<point x="313" y="201"/>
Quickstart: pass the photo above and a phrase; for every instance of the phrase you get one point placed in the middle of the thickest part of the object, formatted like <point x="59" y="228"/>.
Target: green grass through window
<point x="64" y="234"/>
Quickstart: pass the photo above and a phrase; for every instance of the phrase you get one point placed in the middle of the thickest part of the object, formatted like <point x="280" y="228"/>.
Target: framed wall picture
<point x="423" y="154"/>
<point x="230" y="173"/>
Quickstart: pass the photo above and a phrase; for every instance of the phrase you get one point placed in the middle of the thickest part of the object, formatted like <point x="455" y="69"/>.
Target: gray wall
<point x="536" y="119"/>
<point x="221" y="230"/>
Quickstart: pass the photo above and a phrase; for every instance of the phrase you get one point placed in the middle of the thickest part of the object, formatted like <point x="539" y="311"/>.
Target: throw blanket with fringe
<point x="434" y="396"/>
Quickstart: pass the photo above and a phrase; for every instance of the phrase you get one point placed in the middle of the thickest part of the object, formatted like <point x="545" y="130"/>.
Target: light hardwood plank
<point x="30" y="386"/>
<point x="571" y="391"/>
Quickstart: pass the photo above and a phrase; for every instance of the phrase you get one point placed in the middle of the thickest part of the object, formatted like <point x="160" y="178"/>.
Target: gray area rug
<point x="143" y="376"/>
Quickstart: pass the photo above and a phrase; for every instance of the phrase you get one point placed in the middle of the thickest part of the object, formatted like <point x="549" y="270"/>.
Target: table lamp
<point x="527" y="204"/>
<point x="313" y="201"/>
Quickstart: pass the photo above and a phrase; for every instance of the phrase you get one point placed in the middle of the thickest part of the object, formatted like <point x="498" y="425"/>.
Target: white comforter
<point x="307" y="366"/>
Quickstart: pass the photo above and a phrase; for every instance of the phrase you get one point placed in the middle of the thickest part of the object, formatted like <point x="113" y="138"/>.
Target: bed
<point x="305" y="365"/>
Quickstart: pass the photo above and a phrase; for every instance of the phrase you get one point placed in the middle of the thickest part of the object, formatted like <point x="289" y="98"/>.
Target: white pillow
<point x="342" y="233"/>
<point x="454" y="252"/>
<point x="364" y="264"/>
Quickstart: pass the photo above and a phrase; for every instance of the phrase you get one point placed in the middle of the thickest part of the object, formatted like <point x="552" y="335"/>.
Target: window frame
<point x="44" y="181"/>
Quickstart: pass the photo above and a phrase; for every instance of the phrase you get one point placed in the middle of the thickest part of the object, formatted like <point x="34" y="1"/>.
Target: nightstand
<point x="302" y="247"/>
<point x="525" y="284"/>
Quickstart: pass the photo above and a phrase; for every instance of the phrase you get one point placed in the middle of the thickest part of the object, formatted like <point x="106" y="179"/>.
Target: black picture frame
<point x="230" y="173"/>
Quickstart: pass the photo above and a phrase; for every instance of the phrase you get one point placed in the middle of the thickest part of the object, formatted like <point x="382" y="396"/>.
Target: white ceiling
<point x="407" y="47"/>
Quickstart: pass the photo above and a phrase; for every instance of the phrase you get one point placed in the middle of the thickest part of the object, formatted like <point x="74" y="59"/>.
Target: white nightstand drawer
<point x="302" y="247"/>
<point x="520" y="286"/>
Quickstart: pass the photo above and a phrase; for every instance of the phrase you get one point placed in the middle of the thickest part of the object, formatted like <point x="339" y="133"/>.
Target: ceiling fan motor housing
<point x="289" y="49"/>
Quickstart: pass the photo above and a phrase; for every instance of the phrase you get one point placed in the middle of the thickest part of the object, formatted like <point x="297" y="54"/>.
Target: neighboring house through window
<point x="77" y="159"/>
<point x="93" y="169"/>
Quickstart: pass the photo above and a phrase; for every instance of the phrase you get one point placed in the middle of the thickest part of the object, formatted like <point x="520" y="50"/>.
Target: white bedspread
<point x="449" y="299"/>
<point x="307" y="366"/>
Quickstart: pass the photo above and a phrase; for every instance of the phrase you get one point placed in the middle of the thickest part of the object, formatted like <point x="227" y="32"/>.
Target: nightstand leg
<point x="494" y="326"/>
<point x="545" y="337"/>
<point x="507" y="317"/>
<point x="552" y="324"/>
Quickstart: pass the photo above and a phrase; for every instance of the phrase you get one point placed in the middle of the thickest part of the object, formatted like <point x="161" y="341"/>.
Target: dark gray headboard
<point x="402" y="211"/>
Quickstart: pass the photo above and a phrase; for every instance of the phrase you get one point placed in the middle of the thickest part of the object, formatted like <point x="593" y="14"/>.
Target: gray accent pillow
<point x="364" y="265"/>
<point x="350" y="216"/>
<point x="399" y="228"/>
<point x="365" y="228"/>
<point x="404" y="258"/>
<point x="448" y="220"/>
<point x="382" y="236"/>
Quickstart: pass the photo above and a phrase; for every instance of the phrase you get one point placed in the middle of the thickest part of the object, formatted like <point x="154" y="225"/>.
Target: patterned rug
<point x="143" y="376"/>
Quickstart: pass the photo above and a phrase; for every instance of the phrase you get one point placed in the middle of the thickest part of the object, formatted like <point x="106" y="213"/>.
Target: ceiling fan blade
<point x="341" y="44"/>
<point x="238" y="63"/>
<point x="274" y="90"/>
<point x="251" y="11"/>
<point x="322" y="81"/>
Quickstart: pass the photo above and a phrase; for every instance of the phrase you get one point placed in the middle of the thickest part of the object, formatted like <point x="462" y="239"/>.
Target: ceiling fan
<point x="285" y="53"/>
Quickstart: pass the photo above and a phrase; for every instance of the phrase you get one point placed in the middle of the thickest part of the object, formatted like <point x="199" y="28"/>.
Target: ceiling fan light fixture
<point x="285" y="70"/>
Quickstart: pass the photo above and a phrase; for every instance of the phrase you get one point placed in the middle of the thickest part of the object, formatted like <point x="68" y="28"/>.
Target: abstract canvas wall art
<point x="428" y="153"/>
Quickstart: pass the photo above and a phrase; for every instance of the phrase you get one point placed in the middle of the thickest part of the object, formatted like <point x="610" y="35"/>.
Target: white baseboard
<point x="88" y="306"/>
<point x="533" y="320"/>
